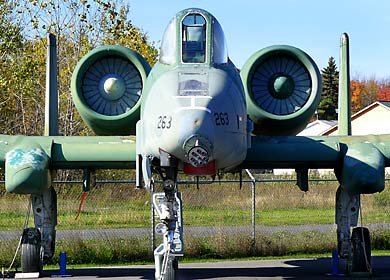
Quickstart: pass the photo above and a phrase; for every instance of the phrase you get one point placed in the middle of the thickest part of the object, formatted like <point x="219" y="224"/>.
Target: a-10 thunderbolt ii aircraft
<point x="195" y="113"/>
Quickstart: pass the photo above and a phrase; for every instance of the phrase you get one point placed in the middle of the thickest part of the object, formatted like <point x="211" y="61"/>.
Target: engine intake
<point x="106" y="88"/>
<point x="283" y="88"/>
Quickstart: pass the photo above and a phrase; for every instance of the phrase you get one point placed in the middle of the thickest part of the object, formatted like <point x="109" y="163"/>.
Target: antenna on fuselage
<point x="344" y="114"/>
<point x="51" y="96"/>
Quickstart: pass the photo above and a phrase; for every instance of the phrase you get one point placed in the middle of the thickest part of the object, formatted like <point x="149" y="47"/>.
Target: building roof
<point x="384" y="102"/>
<point x="365" y="110"/>
<point x="317" y="127"/>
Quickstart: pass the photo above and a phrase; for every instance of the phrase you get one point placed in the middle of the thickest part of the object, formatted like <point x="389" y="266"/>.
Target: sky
<point x="314" y="26"/>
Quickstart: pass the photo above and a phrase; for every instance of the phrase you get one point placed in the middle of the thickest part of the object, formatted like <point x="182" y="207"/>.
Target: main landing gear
<point x="38" y="243"/>
<point x="356" y="249"/>
<point x="168" y="205"/>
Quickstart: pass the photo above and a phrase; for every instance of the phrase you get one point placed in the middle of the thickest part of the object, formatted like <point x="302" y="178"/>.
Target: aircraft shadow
<point x="297" y="269"/>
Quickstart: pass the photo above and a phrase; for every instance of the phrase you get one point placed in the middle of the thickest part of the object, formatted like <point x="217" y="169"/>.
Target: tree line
<point x="79" y="26"/>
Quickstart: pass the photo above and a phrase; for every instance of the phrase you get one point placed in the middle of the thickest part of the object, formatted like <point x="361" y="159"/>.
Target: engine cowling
<point x="106" y="88"/>
<point x="283" y="88"/>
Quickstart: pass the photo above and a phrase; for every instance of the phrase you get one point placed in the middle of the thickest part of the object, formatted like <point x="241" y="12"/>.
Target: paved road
<point x="188" y="230"/>
<point x="266" y="269"/>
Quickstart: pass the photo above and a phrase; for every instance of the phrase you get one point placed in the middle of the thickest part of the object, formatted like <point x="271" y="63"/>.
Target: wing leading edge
<point x="359" y="161"/>
<point x="29" y="160"/>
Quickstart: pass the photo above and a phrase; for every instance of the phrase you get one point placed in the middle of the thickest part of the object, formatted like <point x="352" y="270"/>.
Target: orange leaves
<point x="356" y="92"/>
<point x="384" y="93"/>
<point x="364" y="92"/>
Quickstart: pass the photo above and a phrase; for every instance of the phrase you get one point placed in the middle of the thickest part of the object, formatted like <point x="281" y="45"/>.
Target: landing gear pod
<point x="283" y="88"/>
<point x="106" y="88"/>
<point x="27" y="169"/>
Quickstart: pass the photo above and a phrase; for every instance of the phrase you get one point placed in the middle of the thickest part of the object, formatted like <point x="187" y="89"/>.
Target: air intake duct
<point x="283" y="88"/>
<point x="106" y="87"/>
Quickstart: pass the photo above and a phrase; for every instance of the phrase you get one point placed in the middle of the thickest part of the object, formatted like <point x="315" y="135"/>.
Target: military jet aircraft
<point x="195" y="113"/>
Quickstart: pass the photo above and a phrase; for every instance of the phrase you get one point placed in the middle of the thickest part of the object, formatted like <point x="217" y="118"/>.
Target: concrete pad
<point x="313" y="268"/>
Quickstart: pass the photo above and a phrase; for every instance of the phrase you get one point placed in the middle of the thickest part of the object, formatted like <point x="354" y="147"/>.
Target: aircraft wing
<point x="29" y="160"/>
<point x="291" y="152"/>
<point x="359" y="161"/>
<point x="75" y="152"/>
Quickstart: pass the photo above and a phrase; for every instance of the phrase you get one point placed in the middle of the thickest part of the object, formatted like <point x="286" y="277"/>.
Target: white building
<point x="373" y="119"/>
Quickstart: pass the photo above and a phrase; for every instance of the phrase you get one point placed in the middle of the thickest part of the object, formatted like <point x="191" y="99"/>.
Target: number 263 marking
<point x="221" y="118"/>
<point x="164" y="122"/>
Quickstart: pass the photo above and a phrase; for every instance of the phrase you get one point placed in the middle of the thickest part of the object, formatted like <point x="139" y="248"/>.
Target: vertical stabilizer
<point x="344" y="114"/>
<point x="51" y="99"/>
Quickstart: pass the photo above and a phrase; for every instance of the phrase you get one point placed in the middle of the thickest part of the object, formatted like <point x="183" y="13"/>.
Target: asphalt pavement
<point x="315" y="268"/>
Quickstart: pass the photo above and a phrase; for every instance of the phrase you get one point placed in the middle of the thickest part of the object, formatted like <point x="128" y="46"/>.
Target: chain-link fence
<point x="222" y="219"/>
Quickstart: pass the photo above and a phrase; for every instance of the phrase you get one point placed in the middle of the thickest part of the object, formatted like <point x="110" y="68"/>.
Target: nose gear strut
<point x="168" y="205"/>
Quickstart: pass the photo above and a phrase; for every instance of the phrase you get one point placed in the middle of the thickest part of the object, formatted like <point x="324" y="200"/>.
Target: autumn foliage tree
<point x="384" y="91"/>
<point x="357" y="89"/>
<point x="364" y="92"/>
<point x="20" y="83"/>
<point x="384" y="94"/>
<point x="79" y="26"/>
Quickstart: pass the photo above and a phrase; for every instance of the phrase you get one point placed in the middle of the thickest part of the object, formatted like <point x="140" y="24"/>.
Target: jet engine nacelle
<point x="106" y="88"/>
<point x="283" y="88"/>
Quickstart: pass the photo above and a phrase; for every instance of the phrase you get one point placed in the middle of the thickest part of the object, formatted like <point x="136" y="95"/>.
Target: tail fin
<point x="51" y="99"/>
<point x="344" y="114"/>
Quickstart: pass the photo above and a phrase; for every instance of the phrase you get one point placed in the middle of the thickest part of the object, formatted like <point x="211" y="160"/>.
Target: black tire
<point x="31" y="250"/>
<point x="361" y="250"/>
<point x="172" y="270"/>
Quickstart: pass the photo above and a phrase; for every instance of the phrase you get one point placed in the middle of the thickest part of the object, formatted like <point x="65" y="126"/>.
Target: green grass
<point x="112" y="218"/>
<point x="303" y="216"/>
<point x="219" y="247"/>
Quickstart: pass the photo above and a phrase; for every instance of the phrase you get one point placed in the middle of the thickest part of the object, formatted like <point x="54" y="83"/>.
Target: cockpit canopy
<point x="193" y="36"/>
<point x="193" y="39"/>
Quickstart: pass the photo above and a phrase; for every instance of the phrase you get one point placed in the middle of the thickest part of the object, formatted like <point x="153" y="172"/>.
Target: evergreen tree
<point x="330" y="87"/>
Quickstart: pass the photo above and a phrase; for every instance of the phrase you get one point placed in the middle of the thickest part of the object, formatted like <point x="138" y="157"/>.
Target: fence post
<point x="253" y="183"/>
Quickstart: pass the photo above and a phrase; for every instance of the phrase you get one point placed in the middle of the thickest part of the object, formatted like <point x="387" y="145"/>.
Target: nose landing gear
<point x="168" y="205"/>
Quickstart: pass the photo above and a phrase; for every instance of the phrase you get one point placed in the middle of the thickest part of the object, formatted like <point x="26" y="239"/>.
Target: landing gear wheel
<point x="172" y="270"/>
<point x="31" y="250"/>
<point x="361" y="250"/>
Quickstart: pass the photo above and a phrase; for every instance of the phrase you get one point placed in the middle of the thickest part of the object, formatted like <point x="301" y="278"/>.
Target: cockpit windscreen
<point x="194" y="39"/>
